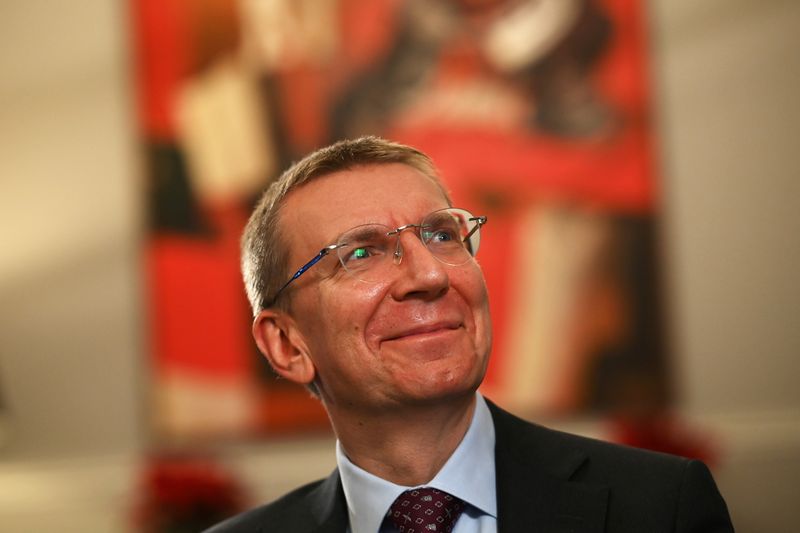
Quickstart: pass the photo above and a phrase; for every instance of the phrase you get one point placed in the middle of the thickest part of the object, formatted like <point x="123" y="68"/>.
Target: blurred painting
<point x="537" y="115"/>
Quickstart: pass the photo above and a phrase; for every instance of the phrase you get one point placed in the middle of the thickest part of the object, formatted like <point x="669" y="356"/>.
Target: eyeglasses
<point x="452" y="236"/>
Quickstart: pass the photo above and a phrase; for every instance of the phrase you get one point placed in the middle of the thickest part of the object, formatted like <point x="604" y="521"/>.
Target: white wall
<point x="71" y="333"/>
<point x="728" y="79"/>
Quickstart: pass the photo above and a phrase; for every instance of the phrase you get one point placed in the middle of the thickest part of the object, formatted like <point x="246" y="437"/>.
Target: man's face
<point x="423" y="333"/>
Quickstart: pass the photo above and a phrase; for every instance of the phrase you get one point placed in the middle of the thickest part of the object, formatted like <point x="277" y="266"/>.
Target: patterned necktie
<point x="424" y="510"/>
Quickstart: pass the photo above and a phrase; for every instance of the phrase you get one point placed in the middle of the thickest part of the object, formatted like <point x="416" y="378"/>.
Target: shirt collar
<point x="468" y="474"/>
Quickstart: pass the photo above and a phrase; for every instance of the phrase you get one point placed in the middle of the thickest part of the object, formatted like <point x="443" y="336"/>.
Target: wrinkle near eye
<point x="332" y="269"/>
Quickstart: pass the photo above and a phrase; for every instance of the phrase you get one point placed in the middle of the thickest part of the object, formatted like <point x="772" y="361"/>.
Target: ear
<point x="281" y="342"/>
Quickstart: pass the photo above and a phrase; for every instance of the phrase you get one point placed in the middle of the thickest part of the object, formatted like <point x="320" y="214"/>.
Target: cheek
<point x="348" y="308"/>
<point x="356" y="303"/>
<point x="358" y="293"/>
<point x="473" y="288"/>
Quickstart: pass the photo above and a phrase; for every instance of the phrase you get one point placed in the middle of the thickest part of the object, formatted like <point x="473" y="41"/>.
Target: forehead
<point x="392" y="194"/>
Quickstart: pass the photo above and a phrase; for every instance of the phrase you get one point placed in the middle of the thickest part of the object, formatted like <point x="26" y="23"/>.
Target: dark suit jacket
<point x="547" y="481"/>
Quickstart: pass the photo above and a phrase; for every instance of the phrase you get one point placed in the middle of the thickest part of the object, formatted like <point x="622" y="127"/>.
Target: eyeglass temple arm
<point x="480" y="221"/>
<point x="322" y="253"/>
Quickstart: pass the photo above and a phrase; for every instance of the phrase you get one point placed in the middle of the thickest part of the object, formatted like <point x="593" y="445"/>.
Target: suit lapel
<point x="328" y="507"/>
<point x="534" y="487"/>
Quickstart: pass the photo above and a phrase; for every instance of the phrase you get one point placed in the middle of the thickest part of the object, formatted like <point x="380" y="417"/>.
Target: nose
<point x="418" y="274"/>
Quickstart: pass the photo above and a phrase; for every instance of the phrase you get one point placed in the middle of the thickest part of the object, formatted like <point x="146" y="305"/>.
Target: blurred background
<point x="642" y="159"/>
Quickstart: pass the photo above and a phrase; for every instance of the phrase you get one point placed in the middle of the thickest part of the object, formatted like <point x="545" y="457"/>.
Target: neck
<point x="406" y="446"/>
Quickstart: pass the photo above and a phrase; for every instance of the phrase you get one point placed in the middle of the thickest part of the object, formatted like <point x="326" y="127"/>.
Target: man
<point x="365" y="289"/>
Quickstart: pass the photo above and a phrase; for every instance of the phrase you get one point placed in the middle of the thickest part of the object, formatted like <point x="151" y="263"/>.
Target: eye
<point x="360" y="255"/>
<point x="362" y="247"/>
<point x="440" y="235"/>
<point x="362" y="252"/>
<point x="444" y="236"/>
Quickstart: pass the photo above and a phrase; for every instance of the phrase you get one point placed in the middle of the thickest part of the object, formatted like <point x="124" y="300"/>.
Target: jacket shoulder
<point x="658" y="488"/>
<point x="576" y="456"/>
<point x="298" y="510"/>
<point x="643" y="487"/>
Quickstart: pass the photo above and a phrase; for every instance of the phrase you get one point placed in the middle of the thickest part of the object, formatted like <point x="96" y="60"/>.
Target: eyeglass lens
<point x="368" y="251"/>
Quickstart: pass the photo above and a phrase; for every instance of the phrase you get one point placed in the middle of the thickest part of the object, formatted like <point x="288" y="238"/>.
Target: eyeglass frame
<point x="480" y="220"/>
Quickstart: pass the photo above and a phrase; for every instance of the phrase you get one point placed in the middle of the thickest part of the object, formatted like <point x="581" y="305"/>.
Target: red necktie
<point x="424" y="510"/>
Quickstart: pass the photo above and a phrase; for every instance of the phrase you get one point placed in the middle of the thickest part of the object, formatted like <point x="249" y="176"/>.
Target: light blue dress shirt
<point x="468" y="474"/>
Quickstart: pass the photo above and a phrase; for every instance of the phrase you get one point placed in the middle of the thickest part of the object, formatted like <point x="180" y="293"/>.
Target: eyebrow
<point x="364" y="233"/>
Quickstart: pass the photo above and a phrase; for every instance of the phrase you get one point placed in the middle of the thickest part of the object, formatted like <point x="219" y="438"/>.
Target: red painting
<point x="537" y="115"/>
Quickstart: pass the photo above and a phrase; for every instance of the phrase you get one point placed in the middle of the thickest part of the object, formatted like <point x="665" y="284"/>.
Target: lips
<point x="424" y="329"/>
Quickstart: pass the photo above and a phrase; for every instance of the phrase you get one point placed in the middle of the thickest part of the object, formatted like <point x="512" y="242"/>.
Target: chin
<point x="446" y="384"/>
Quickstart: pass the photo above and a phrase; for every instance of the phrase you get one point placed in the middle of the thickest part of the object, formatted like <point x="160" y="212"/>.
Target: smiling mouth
<point x="424" y="331"/>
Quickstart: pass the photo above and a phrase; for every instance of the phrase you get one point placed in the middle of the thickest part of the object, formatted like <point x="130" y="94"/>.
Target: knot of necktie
<point x="424" y="510"/>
